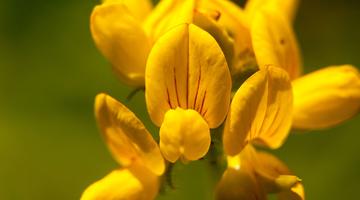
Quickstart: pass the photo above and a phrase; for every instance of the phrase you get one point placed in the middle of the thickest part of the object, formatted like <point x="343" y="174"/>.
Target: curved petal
<point x="128" y="183"/>
<point x="286" y="7"/>
<point x="260" y="111"/>
<point x="138" y="8"/>
<point x="121" y="39"/>
<point x="127" y="138"/>
<point x="275" y="176"/>
<point x="184" y="133"/>
<point x="274" y="42"/>
<point x="168" y="14"/>
<point x="326" y="97"/>
<point x="187" y="69"/>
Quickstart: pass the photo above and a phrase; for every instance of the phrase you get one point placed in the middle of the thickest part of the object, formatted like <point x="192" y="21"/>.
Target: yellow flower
<point x="260" y="111"/>
<point x="125" y="31"/>
<point x="188" y="88"/>
<point x="133" y="148"/>
<point x="321" y="99"/>
<point x="251" y="175"/>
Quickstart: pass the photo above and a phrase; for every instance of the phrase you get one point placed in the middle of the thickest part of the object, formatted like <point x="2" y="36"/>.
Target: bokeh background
<point x="50" y="72"/>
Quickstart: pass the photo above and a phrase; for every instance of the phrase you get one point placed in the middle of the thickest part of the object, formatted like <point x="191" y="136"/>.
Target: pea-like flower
<point x="252" y="175"/>
<point x="321" y="99"/>
<point x="187" y="92"/>
<point x="133" y="148"/>
<point x="260" y="113"/>
<point x="125" y="31"/>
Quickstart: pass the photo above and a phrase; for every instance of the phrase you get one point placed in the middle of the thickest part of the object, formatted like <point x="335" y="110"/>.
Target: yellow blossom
<point x="188" y="88"/>
<point x="135" y="150"/>
<point x="252" y="175"/>
<point x="125" y="31"/>
<point x="321" y="99"/>
<point x="260" y="111"/>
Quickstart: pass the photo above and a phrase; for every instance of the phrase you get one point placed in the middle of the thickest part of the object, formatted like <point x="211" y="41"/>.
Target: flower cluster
<point x="205" y="65"/>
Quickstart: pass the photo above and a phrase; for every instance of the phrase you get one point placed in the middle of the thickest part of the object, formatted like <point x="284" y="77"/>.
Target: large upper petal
<point x="126" y="136"/>
<point x="260" y="111"/>
<point x="186" y="68"/>
<point x="326" y="97"/>
<point x="274" y="42"/>
<point x="133" y="183"/>
<point x="122" y="40"/>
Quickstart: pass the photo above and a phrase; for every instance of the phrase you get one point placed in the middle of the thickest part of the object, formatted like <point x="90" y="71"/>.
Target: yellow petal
<point x="168" y="14"/>
<point x="186" y="68"/>
<point x="274" y="42"/>
<point x="126" y="136"/>
<point x="121" y="39"/>
<point x="260" y="111"/>
<point x="184" y="133"/>
<point x="128" y="183"/>
<point x="239" y="183"/>
<point x="138" y="8"/>
<point x="285" y="7"/>
<point x="326" y="97"/>
<point x="276" y="177"/>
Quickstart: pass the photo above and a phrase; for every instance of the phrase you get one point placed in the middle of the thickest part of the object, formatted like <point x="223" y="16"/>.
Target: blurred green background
<point x="50" y="72"/>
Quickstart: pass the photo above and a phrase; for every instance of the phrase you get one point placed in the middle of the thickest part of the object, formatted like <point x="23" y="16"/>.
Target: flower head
<point x="260" y="111"/>
<point x="187" y="80"/>
<point x="252" y="175"/>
